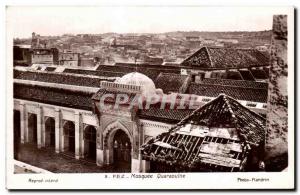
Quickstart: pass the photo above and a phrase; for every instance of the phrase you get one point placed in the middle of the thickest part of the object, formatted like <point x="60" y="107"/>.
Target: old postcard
<point x="150" y="97"/>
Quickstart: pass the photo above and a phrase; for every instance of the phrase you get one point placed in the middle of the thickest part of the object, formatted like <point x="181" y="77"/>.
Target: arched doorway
<point x="32" y="128"/>
<point x="17" y="133"/>
<point x="90" y="136"/>
<point x="50" y="132"/>
<point x="69" y="136"/>
<point x="122" y="151"/>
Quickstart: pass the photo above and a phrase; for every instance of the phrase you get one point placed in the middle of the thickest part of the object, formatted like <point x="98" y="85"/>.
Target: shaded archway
<point x="32" y="128"/>
<point x="122" y="150"/>
<point x="90" y="136"/>
<point x="50" y="132"/>
<point x="17" y="133"/>
<point x="69" y="136"/>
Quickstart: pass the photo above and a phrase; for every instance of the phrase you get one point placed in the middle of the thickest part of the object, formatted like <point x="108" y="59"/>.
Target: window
<point x="251" y="104"/>
<point x="206" y="99"/>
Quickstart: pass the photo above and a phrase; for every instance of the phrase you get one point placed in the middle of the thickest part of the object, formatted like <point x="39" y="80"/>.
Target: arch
<point x="50" y="132"/>
<point x="69" y="136"/>
<point x="32" y="128"/>
<point x="110" y="131"/>
<point x="90" y="142"/>
<point x="109" y="137"/>
<point x="122" y="151"/>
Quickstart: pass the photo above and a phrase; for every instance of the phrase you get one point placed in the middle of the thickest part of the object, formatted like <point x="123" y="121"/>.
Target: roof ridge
<point x="223" y="95"/>
<point x="241" y="105"/>
<point x="172" y="73"/>
<point x="241" y="87"/>
<point x="224" y="48"/>
<point x="232" y="80"/>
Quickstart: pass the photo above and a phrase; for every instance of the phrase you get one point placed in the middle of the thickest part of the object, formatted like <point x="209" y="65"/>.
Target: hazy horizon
<point x="56" y="21"/>
<point x="29" y="37"/>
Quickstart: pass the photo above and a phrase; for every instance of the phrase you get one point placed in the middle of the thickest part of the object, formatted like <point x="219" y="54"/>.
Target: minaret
<point x="33" y="40"/>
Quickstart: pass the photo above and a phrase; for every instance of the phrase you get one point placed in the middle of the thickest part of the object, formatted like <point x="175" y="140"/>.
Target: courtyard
<point x="47" y="159"/>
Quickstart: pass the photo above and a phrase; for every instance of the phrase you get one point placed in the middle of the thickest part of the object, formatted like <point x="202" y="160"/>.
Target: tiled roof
<point x="123" y="69"/>
<point x="60" y="97"/>
<point x="164" y="115"/>
<point x="102" y="92"/>
<point x="170" y="82"/>
<point x="54" y="77"/>
<point x="214" y="57"/>
<point x="188" y="143"/>
<point x="95" y="72"/>
<point x="239" y="93"/>
<point x="152" y="113"/>
<point x="236" y="83"/>
<point x="151" y="71"/>
<point x="226" y="110"/>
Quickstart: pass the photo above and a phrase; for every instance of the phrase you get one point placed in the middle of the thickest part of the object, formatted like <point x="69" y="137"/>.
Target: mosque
<point x="75" y="113"/>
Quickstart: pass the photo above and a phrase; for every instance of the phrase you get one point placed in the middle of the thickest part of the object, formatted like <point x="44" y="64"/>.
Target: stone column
<point x="109" y="159"/>
<point x="23" y="122"/>
<point x="100" y="152"/>
<point x="145" y="165"/>
<point x="39" y="115"/>
<point x="43" y="131"/>
<point x="136" y="155"/>
<point x="78" y="135"/>
<point x="26" y="129"/>
<point x="58" y="131"/>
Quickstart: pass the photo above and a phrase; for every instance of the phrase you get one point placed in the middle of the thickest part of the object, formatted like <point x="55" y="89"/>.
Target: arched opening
<point x="50" y="132"/>
<point x="90" y="136"/>
<point x="32" y="128"/>
<point x="69" y="137"/>
<point x="122" y="151"/>
<point x="17" y="133"/>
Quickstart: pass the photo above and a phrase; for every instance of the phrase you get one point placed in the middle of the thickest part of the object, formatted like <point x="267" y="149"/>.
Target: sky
<point x="22" y="21"/>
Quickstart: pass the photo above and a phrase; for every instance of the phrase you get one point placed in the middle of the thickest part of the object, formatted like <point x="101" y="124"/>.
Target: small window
<point x="251" y="104"/>
<point x="205" y="99"/>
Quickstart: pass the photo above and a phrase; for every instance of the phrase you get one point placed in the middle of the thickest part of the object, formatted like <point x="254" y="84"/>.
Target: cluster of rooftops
<point x="194" y="130"/>
<point x="168" y="79"/>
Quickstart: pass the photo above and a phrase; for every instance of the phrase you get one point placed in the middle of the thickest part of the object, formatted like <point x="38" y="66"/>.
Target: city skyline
<point x="24" y="20"/>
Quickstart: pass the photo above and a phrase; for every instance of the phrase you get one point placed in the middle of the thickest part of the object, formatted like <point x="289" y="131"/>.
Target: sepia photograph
<point x="150" y="92"/>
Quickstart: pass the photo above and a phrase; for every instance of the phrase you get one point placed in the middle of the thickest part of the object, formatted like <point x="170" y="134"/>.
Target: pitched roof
<point x="57" y="77"/>
<point x="113" y="94"/>
<point x="237" y="92"/>
<point x="101" y="73"/>
<point x="164" y="115"/>
<point x="151" y="71"/>
<point x="188" y="143"/>
<point x="225" y="109"/>
<point x="55" y="96"/>
<point x="236" y="83"/>
<point x="214" y="57"/>
<point x="170" y="82"/>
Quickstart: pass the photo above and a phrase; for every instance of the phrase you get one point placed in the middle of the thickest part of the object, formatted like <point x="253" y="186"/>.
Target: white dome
<point x="138" y="79"/>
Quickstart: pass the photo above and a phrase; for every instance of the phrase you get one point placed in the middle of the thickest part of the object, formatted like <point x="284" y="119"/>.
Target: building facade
<point x="69" y="59"/>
